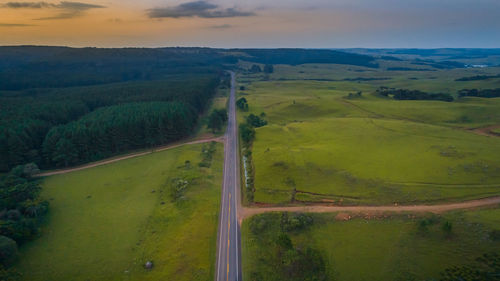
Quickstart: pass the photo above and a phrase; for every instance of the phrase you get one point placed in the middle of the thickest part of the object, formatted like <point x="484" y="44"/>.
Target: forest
<point x="33" y="119"/>
<point x="301" y="56"/>
<point x="63" y="106"/>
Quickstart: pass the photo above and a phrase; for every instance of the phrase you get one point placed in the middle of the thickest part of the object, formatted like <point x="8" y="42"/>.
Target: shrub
<point x="255" y="121"/>
<point x="447" y="228"/>
<point x="495" y="235"/>
<point x="177" y="188"/>
<point x="484" y="268"/>
<point x="242" y="104"/>
<point x="295" y="221"/>
<point x="207" y="152"/>
<point x="8" y="250"/>
<point x="260" y="223"/>
<point x="247" y="133"/>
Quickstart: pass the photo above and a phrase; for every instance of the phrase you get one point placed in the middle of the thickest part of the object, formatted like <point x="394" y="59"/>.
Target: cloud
<point x="68" y="9"/>
<point x="27" y="5"/>
<point x="221" y="26"/>
<point x="14" y="25"/>
<point x="202" y="9"/>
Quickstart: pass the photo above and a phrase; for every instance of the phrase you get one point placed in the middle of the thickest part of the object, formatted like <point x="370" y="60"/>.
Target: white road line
<point x="222" y="208"/>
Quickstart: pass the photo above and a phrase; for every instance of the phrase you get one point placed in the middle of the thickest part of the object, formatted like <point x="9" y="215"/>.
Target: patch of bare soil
<point x="371" y="211"/>
<point x="487" y="131"/>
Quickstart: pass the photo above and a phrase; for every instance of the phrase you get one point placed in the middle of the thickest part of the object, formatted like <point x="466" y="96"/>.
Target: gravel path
<point x="439" y="208"/>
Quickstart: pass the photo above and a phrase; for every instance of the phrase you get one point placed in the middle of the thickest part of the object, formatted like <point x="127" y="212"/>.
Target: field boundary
<point x="438" y="208"/>
<point x="128" y="156"/>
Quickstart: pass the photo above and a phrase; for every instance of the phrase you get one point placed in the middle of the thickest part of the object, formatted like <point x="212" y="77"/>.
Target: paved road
<point x="228" y="266"/>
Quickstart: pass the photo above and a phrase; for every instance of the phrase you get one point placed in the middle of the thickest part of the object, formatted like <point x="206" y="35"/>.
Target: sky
<point x="252" y="23"/>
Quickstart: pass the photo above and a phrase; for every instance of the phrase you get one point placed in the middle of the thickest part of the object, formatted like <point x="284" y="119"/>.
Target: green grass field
<point x="322" y="147"/>
<point x="106" y="222"/>
<point x="393" y="248"/>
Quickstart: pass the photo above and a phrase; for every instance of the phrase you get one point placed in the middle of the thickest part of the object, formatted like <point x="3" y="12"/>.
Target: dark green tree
<point x="255" y="121"/>
<point x="268" y="68"/>
<point x="447" y="229"/>
<point x="255" y="69"/>
<point x="247" y="133"/>
<point x="217" y="119"/>
<point x="242" y="104"/>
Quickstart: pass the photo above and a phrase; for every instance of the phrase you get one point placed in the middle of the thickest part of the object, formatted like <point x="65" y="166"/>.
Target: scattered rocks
<point x="148" y="265"/>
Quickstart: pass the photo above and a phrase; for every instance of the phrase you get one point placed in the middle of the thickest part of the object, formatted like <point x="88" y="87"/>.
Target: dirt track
<point x="440" y="208"/>
<point x="486" y="131"/>
<point x="116" y="159"/>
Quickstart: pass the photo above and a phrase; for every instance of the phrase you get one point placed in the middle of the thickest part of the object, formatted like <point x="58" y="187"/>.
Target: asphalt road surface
<point x="229" y="240"/>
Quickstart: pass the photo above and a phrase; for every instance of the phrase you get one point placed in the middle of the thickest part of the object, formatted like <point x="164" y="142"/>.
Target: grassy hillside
<point x="321" y="146"/>
<point x="106" y="222"/>
<point x="389" y="247"/>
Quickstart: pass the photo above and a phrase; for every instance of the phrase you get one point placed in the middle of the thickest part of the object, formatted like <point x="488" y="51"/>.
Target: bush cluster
<point x="207" y="152"/>
<point x="256" y="121"/>
<point x="280" y="258"/>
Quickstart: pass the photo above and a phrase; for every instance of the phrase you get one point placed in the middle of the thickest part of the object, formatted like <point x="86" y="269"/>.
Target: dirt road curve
<point x="487" y="131"/>
<point x="116" y="159"/>
<point x="248" y="212"/>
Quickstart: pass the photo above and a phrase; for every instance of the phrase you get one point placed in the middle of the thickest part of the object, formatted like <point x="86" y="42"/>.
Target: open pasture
<point x="106" y="222"/>
<point x="321" y="146"/>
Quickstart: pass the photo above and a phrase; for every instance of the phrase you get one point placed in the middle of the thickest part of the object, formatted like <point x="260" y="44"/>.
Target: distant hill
<point x="466" y="56"/>
<point x="24" y="67"/>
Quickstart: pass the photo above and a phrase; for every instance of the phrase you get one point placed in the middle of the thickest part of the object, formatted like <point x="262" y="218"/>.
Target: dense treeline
<point x="487" y="93"/>
<point x="477" y="78"/>
<point x="27" y="67"/>
<point x="115" y="129"/>
<point x="21" y="210"/>
<point x="405" y="94"/>
<point x="27" y="116"/>
<point x="301" y="56"/>
<point x="439" y="64"/>
<point x="52" y="67"/>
